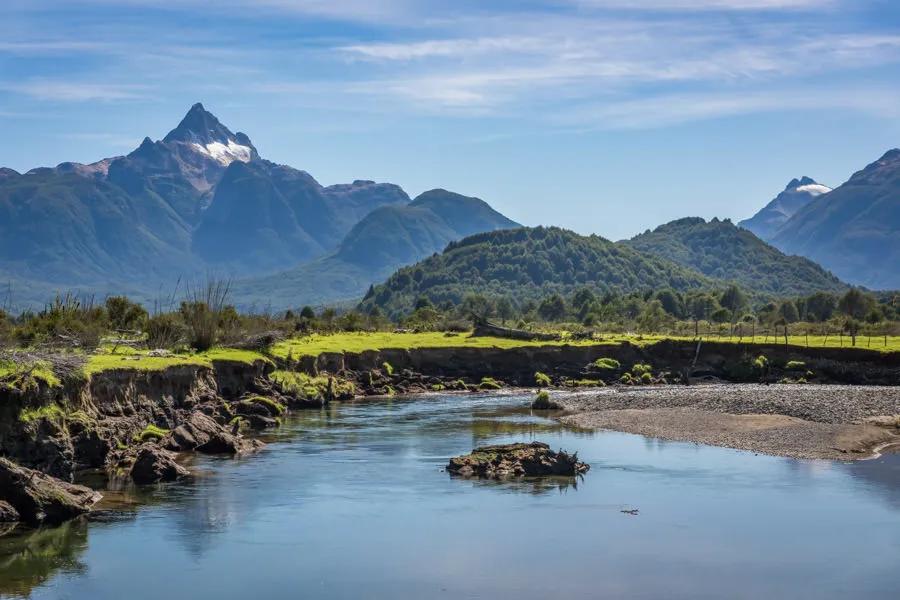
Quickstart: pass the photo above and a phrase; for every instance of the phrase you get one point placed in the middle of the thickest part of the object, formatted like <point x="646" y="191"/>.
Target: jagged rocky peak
<point x="206" y="134"/>
<point x="808" y="185"/>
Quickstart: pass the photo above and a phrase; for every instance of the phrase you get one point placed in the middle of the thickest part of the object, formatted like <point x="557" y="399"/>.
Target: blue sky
<point x="603" y="116"/>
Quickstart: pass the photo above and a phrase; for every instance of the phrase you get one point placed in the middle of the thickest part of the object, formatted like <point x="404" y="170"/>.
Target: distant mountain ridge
<point x="854" y="230"/>
<point x="797" y="194"/>
<point x="719" y="249"/>
<point x="201" y="198"/>
<point x="386" y="239"/>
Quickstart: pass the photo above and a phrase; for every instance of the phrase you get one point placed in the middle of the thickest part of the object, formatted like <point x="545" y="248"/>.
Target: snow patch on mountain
<point x="226" y="154"/>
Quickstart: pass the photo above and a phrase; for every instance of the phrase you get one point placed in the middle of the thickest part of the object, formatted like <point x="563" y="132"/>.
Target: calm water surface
<point x="352" y="502"/>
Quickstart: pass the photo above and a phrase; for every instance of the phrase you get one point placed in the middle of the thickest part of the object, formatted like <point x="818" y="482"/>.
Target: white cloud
<point x="699" y="5"/>
<point x="674" y="109"/>
<point x="72" y="91"/>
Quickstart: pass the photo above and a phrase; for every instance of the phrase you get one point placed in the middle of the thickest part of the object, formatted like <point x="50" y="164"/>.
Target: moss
<point x="542" y="379"/>
<point x="141" y="360"/>
<point x="587" y="382"/>
<point x="151" y="433"/>
<point x="275" y="407"/>
<point x="388" y="368"/>
<point x="489" y="383"/>
<point x="51" y="412"/>
<point x="308" y="386"/>
<point x="607" y="364"/>
<point x="795" y="365"/>
<point x="438" y="387"/>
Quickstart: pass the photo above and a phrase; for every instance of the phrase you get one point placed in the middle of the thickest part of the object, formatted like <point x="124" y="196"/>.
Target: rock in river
<point x="40" y="498"/>
<point x="533" y="458"/>
<point x="156" y="464"/>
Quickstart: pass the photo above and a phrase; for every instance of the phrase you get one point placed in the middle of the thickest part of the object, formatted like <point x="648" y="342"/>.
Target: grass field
<point x="129" y="358"/>
<point x="357" y="342"/>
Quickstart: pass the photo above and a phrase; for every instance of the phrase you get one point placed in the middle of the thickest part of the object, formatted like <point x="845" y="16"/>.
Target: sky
<point x="601" y="116"/>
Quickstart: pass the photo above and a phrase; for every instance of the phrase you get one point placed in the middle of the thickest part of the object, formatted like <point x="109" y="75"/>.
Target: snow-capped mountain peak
<point x="204" y="133"/>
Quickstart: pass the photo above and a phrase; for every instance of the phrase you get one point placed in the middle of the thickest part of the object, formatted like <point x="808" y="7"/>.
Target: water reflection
<point x="29" y="558"/>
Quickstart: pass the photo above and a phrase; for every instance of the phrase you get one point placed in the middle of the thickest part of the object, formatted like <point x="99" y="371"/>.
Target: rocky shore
<point x="799" y="421"/>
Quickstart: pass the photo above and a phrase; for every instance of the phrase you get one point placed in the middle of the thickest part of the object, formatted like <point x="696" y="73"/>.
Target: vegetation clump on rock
<point x="512" y="460"/>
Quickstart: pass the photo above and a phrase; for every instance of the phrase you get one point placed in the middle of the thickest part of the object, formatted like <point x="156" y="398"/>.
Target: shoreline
<point x="803" y="422"/>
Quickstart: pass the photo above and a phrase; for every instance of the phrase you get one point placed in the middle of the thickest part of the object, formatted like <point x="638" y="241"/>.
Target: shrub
<point x="388" y="368"/>
<point x="438" y="387"/>
<point x="124" y="314"/>
<point x="608" y="364"/>
<point x="626" y="378"/>
<point x="542" y="379"/>
<point x="646" y="378"/>
<point x="542" y="401"/>
<point x="639" y="369"/>
<point x="164" y="331"/>
<point x="795" y="365"/>
<point x="761" y="363"/>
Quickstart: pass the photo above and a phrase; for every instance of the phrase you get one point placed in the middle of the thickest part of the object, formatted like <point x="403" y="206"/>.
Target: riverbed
<point x="352" y="501"/>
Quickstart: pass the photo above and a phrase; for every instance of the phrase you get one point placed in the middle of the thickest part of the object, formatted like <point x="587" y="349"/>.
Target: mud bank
<point x="729" y="361"/>
<point x="798" y="421"/>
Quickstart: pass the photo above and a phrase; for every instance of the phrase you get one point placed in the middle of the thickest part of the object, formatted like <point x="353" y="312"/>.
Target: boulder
<point x="201" y="433"/>
<point x="154" y="464"/>
<point x="40" y="498"/>
<point x="8" y="514"/>
<point x="507" y="460"/>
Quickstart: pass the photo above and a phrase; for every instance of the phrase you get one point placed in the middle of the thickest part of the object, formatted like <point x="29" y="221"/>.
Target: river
<point x="352" y="502"/>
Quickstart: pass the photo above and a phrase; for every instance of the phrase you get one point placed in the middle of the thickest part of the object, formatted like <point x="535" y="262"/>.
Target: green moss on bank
<point x="141" y="360"/>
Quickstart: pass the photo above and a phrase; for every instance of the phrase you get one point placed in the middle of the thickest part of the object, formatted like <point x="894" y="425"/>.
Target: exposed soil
<point x="799" y="421"/>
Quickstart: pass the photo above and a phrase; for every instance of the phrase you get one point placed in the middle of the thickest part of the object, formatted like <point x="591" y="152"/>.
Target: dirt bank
<point x="800" y="421"/>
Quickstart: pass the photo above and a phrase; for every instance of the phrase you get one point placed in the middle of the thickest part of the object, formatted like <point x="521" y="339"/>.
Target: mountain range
<point x="202" y="200"/>
<point x="852" y="230"/>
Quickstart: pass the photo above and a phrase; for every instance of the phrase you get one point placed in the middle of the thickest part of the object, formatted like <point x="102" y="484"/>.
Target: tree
<point x="505" y="309"/>
<point x="733" y="299"/>
<point x="820" y="306"/>
<point x="582" y="302"/>
<point x="552" y="308"/>
<point x="422" y="302"/>
<point x="478" y="305"/>
<point x="788" y="311"/>
<point x="652" y="317"/>
<point x="700" y="307"/>
<point x="855" y="305"/>
<point x="307" y="313"/>
<point x="671" y="302"/>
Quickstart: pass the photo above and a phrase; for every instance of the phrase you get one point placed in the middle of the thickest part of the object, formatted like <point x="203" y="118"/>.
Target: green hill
<point x="383" y="241"/>
<point x="528" y="263"/>
<point x="721" y="250"/>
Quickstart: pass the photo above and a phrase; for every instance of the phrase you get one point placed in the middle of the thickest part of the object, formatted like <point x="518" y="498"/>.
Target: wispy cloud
<point x="76" y="91"/>
<point x="675" y="109"/>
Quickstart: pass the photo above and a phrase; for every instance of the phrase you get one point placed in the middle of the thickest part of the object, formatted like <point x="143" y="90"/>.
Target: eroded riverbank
<point x="800" y="421"/>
